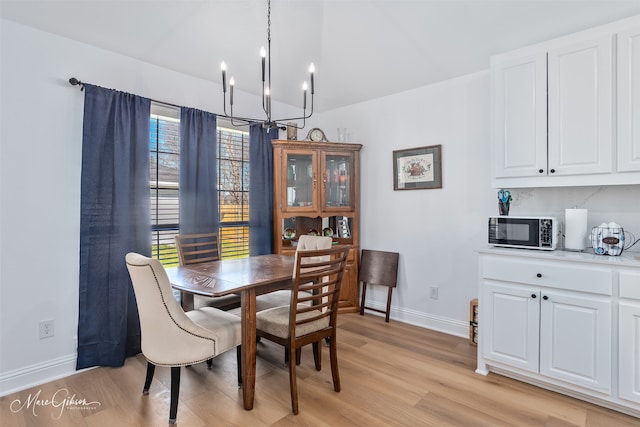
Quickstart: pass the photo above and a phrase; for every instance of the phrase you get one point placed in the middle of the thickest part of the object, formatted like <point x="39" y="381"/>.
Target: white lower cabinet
<point x="630" y="351"/>
<point x="562" y="335"/>
<point x="629" y="337"/>
<point x="575" y="339"/>
<point x="511" y="332"/>
<point x="565" y="321"/>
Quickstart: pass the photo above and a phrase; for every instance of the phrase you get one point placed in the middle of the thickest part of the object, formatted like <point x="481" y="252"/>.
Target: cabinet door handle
<point x="534" y="296"/>
<point x="539" y="275"/>
<point x="315" y="180"/>
<point x="552" y="171"/>
<point x="540" y="170"/>
<point x="545" y="297"/>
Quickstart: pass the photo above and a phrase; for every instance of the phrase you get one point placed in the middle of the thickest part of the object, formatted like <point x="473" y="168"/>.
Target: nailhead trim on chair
<point x="174" y="321"/>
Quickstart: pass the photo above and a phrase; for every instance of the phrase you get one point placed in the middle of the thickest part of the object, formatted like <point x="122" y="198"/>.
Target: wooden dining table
<point x="248" y="277"/>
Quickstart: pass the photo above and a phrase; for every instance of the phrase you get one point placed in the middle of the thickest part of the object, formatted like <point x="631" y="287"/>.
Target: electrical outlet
<point x="433" y="292"/>
<point x="46" y="328"/>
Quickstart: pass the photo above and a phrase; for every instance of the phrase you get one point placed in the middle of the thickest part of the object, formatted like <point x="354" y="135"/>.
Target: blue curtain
<point x="198" y="172"/>
<point x="261" y="189"/>
<point x="114" y="220"/>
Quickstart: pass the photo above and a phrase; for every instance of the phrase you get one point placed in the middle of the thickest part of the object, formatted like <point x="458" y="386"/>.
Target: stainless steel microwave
<point x="535" y="232"/>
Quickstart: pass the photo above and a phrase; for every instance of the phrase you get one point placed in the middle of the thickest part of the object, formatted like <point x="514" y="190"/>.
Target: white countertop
<point x="627" y="259"/>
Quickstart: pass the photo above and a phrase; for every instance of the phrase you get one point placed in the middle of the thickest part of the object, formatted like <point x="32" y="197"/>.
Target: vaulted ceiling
<point x="362" y="49"/>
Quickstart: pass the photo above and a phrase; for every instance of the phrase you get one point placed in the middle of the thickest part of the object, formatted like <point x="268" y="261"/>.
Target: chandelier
<point x="269" y="122"/>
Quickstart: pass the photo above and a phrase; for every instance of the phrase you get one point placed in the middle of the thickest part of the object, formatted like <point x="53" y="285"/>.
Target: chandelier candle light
<point x="268" y="122"/>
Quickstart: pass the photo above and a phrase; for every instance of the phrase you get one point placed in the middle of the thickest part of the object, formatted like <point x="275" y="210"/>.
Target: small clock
<point x="316" y="135"/>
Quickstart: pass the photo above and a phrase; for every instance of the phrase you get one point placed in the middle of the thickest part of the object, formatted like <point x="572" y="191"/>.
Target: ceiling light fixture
<point x="269" y="122"/>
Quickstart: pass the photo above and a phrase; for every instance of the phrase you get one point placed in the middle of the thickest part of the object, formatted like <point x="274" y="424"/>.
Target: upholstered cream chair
<point x="171" y="337"/>
<point x="312" y="313"/>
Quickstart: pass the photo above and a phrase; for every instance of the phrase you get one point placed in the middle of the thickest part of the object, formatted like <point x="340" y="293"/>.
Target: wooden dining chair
<point x="378" y="268"/>
<point x="283" y="297"/>
<point x="199" y="248"/>
<point x="312" y="313"/>
<point x="170" y="337"/>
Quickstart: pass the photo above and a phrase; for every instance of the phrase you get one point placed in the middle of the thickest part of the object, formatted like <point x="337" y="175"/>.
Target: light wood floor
<point x="392" y="375"/>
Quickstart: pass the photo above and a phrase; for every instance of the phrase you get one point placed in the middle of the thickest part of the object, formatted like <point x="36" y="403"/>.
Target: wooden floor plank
<point x="392" y="374"/>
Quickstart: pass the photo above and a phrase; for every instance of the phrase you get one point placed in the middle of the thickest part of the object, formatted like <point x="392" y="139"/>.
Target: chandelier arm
<point x="303" y="117"/>
<point x="264" y="105"/>
<point x="247" y="120"/>
<point x="284" y="125"/>
<point x="245" y="123"/>
<point x="224" y="102"/>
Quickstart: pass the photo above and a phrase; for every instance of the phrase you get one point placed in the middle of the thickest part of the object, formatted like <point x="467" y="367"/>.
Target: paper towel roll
<point x="575" y="229"/>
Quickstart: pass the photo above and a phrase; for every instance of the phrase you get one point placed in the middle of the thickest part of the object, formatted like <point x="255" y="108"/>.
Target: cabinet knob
<point x="545" y="297"/>
<point x="552" y="171"/>
<point x="538" y="275"/>
<point x="534" y="296"/>
<point x="540" y="170"/>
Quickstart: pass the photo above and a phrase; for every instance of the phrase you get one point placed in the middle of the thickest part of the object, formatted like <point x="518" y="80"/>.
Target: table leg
<point x="248" y="314"/>
<point x="187" y="301"/>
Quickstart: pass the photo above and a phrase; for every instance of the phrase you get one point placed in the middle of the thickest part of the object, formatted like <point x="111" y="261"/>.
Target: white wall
<point x="434" y="230"/>
<point x="40" y="163"/>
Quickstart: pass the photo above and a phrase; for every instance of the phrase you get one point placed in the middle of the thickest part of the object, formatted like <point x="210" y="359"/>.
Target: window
<point x="164" y="168"/>
<point x="233" y="186"/>
<point x="233" y="192"/>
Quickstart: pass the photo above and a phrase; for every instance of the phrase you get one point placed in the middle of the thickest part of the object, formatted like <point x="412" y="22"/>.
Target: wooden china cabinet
<point x="317" y="191"/>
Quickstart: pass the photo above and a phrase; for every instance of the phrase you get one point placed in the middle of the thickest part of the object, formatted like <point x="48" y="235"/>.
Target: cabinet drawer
<point x="549" y="274"/>
<point x="630" y="285"/>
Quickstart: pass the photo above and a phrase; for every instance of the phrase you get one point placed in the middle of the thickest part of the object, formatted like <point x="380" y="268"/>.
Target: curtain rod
<point x="75" y="82"/>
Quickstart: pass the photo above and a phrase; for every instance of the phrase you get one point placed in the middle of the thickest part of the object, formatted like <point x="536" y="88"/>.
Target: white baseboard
<point x="424" y="320"/>
<point x="34" y="375"/>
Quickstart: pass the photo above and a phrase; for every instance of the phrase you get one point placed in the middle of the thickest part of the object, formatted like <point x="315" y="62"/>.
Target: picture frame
<point x="417" y="168"/>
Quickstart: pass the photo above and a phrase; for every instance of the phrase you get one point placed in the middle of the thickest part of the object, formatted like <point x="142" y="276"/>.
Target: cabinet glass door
<point x="302" y="180"/>
<point x="338" y="181"/>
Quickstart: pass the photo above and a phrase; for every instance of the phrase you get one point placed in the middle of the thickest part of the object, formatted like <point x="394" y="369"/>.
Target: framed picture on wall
<point x="417" y="168"/>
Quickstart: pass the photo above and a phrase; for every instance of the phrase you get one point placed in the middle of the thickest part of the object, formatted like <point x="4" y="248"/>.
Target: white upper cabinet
<point x="629" y="100"/>
<point x="554" y="121"/>
<point x="580" y="108"/>
<point x="520" y="116"/>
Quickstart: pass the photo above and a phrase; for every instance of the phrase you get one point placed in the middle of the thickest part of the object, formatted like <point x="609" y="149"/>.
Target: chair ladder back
<point x="319" y="275"/>
<point x="198" y="248"/>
